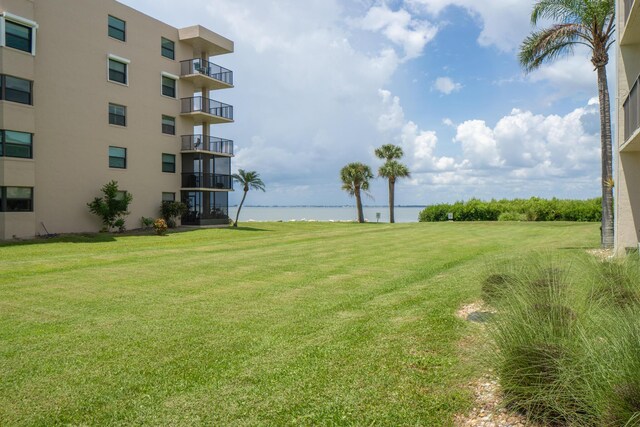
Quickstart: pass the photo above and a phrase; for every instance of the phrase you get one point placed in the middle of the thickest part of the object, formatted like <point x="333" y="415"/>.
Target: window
<point x="168" y="197"/>
<point x="169" y="125"/>
<point x="18" y="33"/>
<point x="16" y="199"/>
<point x="117" y="28"/>
<point x="18" y="36"/>
<point x="169" y="86"/>
<point x="117" y="115"/>
<point x="117" y="157"/>
<point x="168" y="163"/>
<point x="15" y="89"/>
<point x="16" y="144"/>
<point x="117" y="71"/>
<point x="168" y="48"/>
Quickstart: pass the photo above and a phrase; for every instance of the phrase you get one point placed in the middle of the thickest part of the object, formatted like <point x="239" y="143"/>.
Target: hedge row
<point x="533" y="209"/>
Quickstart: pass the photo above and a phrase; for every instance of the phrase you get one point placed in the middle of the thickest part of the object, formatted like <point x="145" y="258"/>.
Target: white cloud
<point x="393" y="117"/>
<point x="400" y="28"/>
<point x="446" y="85"/>
<point x="505" y="23"/>
<point x="523" y="154"/>
<point x="568" y="76"/>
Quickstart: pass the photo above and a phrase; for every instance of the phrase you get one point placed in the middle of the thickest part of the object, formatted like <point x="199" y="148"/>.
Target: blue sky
<point x="321" y="83"/>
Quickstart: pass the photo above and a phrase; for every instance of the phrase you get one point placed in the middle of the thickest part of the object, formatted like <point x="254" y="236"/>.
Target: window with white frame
<point x="118" y="69"/>
<point x="169" y="85"/>
<point x="18" y="33"/>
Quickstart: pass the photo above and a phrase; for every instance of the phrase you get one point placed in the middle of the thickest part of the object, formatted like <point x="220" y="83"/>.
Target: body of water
<point x="249" y="213"/>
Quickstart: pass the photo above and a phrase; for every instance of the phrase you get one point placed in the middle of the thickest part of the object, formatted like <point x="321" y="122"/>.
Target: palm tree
<point x="392" y="170"/>
<point x="355" y="178"/>
<point x="249" y="180"/>
<point x="589" y="23"/>
<point x="389" y="152"/>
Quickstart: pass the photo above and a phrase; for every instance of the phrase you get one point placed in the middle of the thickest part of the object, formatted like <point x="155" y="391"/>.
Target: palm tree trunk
<point x="235" y="224"/>
<point x="359" y="205"/>
<point x="607" y="159"/>
<point x="391" y="200"/>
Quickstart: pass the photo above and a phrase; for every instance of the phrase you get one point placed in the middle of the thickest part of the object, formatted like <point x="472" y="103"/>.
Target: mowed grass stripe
<point x="332" y="324"/>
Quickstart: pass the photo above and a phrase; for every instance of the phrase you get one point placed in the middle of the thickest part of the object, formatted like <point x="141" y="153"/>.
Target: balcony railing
<point x="206" y="68"/>
<point x="207" y="180"/>
<point x="628" y="4"/>
<point x="207" y="143"/>
<point x="631" y="111"/>
<point x="207" y="106"/>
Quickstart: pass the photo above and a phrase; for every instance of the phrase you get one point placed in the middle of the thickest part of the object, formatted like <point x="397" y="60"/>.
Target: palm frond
<point x="389" y="152"/>
<point x="394" y="169"/>
<point x="564" y="11"/>
<point x="550" y="44"/>
<point x="249" y="179"/>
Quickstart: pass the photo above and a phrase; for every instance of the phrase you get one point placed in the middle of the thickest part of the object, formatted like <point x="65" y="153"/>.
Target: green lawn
<point x="273" y="324"/>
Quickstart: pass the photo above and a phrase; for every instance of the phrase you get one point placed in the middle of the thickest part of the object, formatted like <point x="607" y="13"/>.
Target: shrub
<point x="146" y="223"/>
<point x="512" y="216"/>
<point x="112" y="206"/>
<point x="170" y="211"/>
<point x="160" y="226"/>
<point x="119" y="224"/>
<point x="534" y="209"/>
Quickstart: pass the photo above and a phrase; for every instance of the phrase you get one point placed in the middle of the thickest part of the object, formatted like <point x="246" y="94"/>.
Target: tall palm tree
<point x="248" y="180"/>
<point x="589" y="23"/>
<point x="355" y="178"/>
<point x="392" y="170"/>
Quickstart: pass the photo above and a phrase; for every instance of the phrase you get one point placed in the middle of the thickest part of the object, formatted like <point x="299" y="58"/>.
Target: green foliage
<point x="533" y="209"/>
<point x="112" y="207"/>
<point x="355" y="177"/>
<point x="512" y="216"/>
<point x="249" y="180"/>
<point x="146" y="223"/>
<point x="172" y="210"/>
<point x="563" y="359"/>
<point x="120" y="225"/>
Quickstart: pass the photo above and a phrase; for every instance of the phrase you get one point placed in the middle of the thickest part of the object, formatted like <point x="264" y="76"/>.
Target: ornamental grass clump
<point x="623" y="401"/>
<point x="617" y="283"/>
<point x="540" y="357"/>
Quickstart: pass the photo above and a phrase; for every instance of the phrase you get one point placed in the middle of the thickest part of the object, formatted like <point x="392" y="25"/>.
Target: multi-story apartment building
<point x="93" y="91"/>
<point x="628" y="130"/>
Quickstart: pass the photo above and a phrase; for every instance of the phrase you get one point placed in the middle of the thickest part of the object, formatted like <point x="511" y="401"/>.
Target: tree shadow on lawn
<point x="241" y="228"/>
<point x="63" y="238"/>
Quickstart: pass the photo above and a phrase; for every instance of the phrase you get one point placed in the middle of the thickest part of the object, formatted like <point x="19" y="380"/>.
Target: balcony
<point x="205" y="74"/>
<point x="195" y="180"/>
<point x="628" y="4"/>
<point x="205" y="41"/>
<point x="207" y="111"/>
<point x="207" y="144"/>
<point x="631" y="107"/>
<point x="630" y="32"/>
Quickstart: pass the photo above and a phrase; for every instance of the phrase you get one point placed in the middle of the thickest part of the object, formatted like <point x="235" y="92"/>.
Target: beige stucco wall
<point x="627" y="213"/>
<point x="70" y="113"/>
